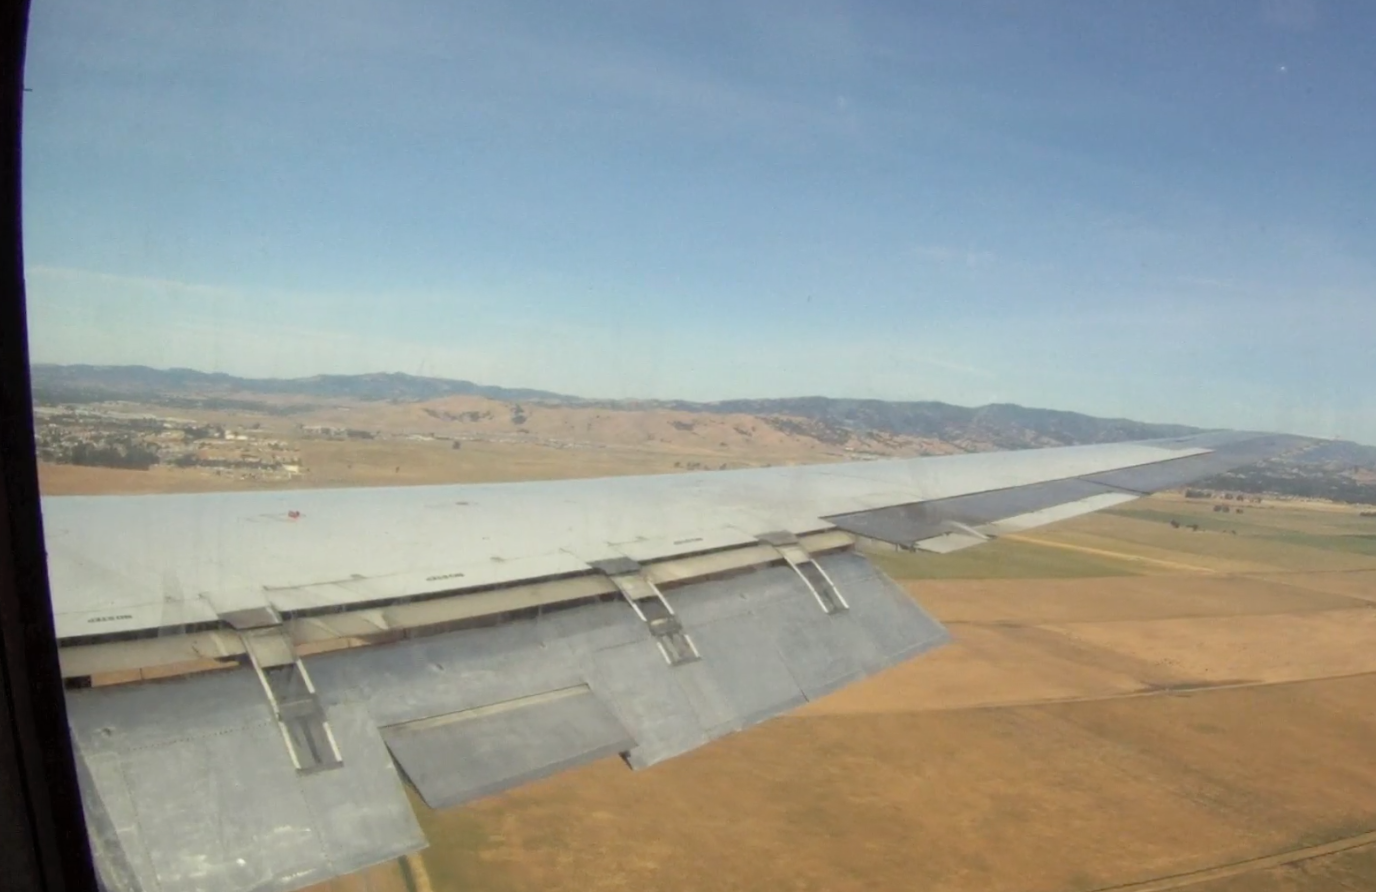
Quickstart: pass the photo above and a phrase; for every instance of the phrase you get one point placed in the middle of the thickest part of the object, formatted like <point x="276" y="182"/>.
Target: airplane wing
<point x="251" y="675"/>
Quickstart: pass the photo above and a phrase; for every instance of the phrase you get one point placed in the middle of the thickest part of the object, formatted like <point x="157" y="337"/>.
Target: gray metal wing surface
<point x="288" y="659"/>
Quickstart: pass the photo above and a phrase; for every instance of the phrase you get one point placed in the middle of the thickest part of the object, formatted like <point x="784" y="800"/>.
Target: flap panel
<point x="465" y="755"/>
<point x="189" y="787"/>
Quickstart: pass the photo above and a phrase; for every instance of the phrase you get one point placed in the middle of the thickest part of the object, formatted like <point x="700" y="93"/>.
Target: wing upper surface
<point x="118" y="562"/>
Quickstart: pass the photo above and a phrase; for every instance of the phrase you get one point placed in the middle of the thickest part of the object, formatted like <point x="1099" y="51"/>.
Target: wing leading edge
<point x="284" y="767"/>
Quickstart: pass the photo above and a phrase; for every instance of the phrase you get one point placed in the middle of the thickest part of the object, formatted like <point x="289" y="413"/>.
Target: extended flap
<point x="476" y="752"/>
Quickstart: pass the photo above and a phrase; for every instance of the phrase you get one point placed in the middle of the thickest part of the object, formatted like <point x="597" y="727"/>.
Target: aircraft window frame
<point x="43" y="839"/>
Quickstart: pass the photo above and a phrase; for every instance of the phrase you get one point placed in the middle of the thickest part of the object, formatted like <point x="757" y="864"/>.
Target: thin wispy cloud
<point x="967" y="257"/>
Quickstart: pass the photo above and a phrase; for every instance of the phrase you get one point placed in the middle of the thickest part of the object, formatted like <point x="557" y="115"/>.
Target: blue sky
<point x="1159" y="210"/>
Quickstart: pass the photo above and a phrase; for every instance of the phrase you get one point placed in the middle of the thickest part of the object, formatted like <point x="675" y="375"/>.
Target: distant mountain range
<point x="86" y="383"/>
<point x="1001" y="426"/>
<point x="1339" y="470"/>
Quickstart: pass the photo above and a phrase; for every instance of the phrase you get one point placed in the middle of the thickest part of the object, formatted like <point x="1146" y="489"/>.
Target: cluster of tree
<point x="443" y="415"/>
<point x="1194" y="527"/>
<point x="227" y="404"/>
<point x="821" y="431"/>
<point x="1226" y="496"/>
<point x="1316" y="484"/>
<point x="123" y="455"/>
<point x="192" y="460"/>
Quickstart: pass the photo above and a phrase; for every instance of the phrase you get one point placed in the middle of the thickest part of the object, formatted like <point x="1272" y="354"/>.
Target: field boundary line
<point x="1236" y="868"/>
<point x="1358" y="604"/>
<point x="1184" y="688"/>
<point x="1118" y="555"/>
<point x="1165" y="691"/>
